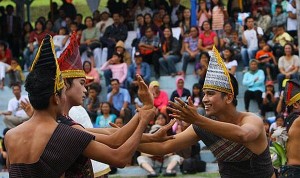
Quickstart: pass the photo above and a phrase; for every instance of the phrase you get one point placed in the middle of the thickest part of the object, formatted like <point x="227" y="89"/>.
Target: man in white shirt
<point x="250" y="38"/>
<point x="14" y="114"/>
<point x="106" y="21"/>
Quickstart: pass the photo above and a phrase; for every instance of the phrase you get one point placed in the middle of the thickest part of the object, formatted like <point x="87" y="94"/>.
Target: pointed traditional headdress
<point x="292" y="92"/>
<point x="70" y="62"/>
<point x="45" y="59"/>
<point x="217" y="76"/>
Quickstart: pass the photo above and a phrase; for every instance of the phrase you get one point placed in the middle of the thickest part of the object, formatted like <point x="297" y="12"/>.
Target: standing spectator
<point x="118" y="68"/>
<point x="60" y="22"/>
<point x="35" y="39"/>
<point x="170" y="52"/>
<point x="14" y="114"/>
<point x="119" y="99"/>
<point x="105" y="21"/>
<point x="90" y="41"/>
<point x="288" y="65"/>
<point x="229" y="60"/>
<point x="10" y="30"/>
<point x="180" y="91"/>
<point x="204" y="14"/>
<point x="160" y="98"/>
<point x="282" y="3"/>
<point x="53" y="14"/>
<point x="208" y="38"/>
<point x="141" y="68"/>
<point x="69" y="9"/>
<point x="191" y="51"/>
<point x="219" y="13"/>
<point x="91" y="74"/>
<point x="292" y="18"/>
<point x="105" y="117"/>
<point x="113" y="33"/>
<point x="250" y="38"/>
<point x="175" y="8"/>
<point x="148" y="47"/>
<point x="254" y="81"/>
<point x="270" y="99"/>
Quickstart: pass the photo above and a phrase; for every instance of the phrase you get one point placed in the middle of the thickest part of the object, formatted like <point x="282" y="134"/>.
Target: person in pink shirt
<point x="208" y="38"/>
<point x="92" y="75"/>
<point x="204" y="14"/>
<point x="160" y="98"/>
<point x="118" y="68"/>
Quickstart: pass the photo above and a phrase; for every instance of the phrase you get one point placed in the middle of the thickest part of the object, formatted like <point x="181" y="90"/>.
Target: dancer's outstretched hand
<point x="144" y="93"/>
<point x="161" y="134"/>
<point x="26" y="106"/>
<point x="182" y="111"/>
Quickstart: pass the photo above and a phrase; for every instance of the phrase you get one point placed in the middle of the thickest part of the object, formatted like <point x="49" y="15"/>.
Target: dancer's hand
<point x="182" y="111"/>
<point x="144" y="93"/>
<point x="146" y="115"/>
<point x="26" y="106"/>
<point x="161" y="134"/>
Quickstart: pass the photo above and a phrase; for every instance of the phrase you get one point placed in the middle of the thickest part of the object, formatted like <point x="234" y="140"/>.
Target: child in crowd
<point x="15" y="73"/>
<point x="270" y="99"/>
<point x="93" y="102"/>
<point x="266" y="60"/>
<point x="119" y="121"/>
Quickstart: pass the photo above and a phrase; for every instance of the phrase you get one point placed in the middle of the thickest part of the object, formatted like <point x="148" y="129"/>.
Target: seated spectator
<point x="279" y="40"/>
<point x="148" y="47"/>
<point x="191" y="51"/>
<point x="49" y="28"/>
<point x="279" y="18"/>
<point x="105" y="21"/>
<point x="3" y="68"/>
<point x="14" y="115"/>
<point x="207" y="38"/>
<point x="119" y="122"/>
<point x="197" y="97"/>
<point x="166" y="22"/>
<point x="170" y="52"/>
<point x="35" y="40"/>
<point x="236" y="45"/>
<point x="254" y="81"/>
<point x="120" y="48"/>
<point x="27" y="29"/>
<point x="203" y="14"/>
<point x="92" y="75"/>
<point x="270" y="99"/>
<point x="250" y="38"/>
<point x="92" y="102"/>
<point x="118" y="68"/>
<point x="229" y="60"/>
<point x="288" y="65"/>
<point x="141" y="68"/>
<point x="90" y="41"/>
<point x="5" y="53"/>
<point x="15" y="73"/>
<point x="160" y="98"/>
<point x="105" y="117"/>
<point x="226" y="36"/>
<point x="114" y="33"/>
<point x="78" y="21"/>
<point x="201" y="67"/>
<point x="148" y="22"/>
<point x="150" y="162"/>
<point x="279" y="121"/>
<point x="180" y="91"/>
<point x="264" y="21"/>
<point x="185" y="24"/>
<point x="119" y="99"/>
<point x="266" y="61"/>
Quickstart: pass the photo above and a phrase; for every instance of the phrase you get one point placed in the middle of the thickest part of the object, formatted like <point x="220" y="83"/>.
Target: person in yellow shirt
<point x="15" y="73"/>
<point x="280" y="39"/>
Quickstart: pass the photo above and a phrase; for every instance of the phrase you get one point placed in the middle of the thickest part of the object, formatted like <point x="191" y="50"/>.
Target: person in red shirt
<point x="5" y="59"/>
<point x="160" y="98"/>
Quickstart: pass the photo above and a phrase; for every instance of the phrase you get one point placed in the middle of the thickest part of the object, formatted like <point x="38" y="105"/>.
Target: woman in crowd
<point x="27" y="29"/>
<point x="148" y="22"/>
<point x="92" y="75"/>
<point x="229" y="60"/>
<point x="90" y="40"/>
<point x="35" y="39"/>
<point x="180" y="91"/>
<point x="185" y="24"/>
<point x="105" y="117"/>
<point x="226" y="37"/>
<point x="219" y="13"/>
<point x="197" y="97"/>
<point x="204" y="14"/>
<point x="201" y="67"/>
<point x="166" y="22"/>
<point x="208" y="38"/>
<point x="288" y="65"/>
<point x="170" y="52"/>
<point x="118" y="68"/>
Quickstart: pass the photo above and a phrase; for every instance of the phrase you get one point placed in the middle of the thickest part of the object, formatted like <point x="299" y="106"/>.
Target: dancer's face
<point x="213" y="102"/>
<point x="76" y="93"/>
